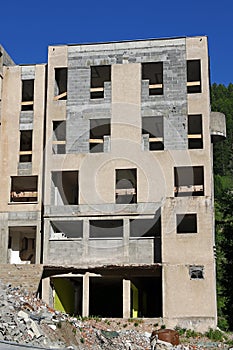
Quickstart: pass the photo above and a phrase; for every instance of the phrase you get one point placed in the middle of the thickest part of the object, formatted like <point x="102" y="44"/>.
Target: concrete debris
<point x="27" y="320"/>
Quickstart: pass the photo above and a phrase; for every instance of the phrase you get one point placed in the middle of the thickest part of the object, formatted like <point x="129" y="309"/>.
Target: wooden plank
<point x="155" y="139"/>
<point x="191" y="188"/>
<point x="155" y="86"/>
<point x="125" y="191"/>
<point x="56" y="142"/>
<point x="96" y="141"/>
<point x="58" y="97"/>
<point x="97" y="89"/>
<point x="193" y="83"/>
<point x="27" y="103"/>
<point x="23" y="153"/>
<point x="23" y="194"/>
<point x="195" y="136"/>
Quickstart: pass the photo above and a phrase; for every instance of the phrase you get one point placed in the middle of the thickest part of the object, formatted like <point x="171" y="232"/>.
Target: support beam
<point x="126" y="298"/>
<point x="85" y="308"/>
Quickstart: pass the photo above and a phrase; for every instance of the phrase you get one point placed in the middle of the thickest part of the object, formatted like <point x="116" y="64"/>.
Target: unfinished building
<point x="107" y="178"/>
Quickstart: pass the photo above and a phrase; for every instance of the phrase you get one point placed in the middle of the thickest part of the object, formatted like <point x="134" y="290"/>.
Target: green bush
<point x="214" y="334"/>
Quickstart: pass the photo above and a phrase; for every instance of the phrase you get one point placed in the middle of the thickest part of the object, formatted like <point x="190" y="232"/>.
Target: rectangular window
<point x="154" y="73"/>
<point x="59" y="137"/>
<point x="153" y="127"/>
<point x="99" y="75"/>
<point x="106" y="228"/>
<point x="21" y="245"/>
<point x="64" y="188"/>
<point x="189" y="181"/>
<point x="195" y="139"/>
<point x="60" y="84"/>
<point x="99" y="128"/>
<point x="193" y="76"/>
<point x="66" y="229"/>
<point x="27" y="95"/>
<point x="186" y="223"/>
<point x="24" y="188"/>
<point x="196" y="272"/>
<point x="25" y="152"/>
<point x="126" y="186"/>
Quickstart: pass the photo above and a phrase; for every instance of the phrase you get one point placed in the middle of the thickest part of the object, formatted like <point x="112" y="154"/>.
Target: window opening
<point x="154" y="73"/>
<point x="189" y="181"/>
<point x="186" y="223"/>
<point x="21" y="245"/>
<point x="99" y="128"/>
<point x="99" y="75"/>
<point x="27" y="95"/>
<point x="106" y="228"/>
<point x="59" y="137"/>
<point x="153" y="126"/>
<point x="60" y="84"/>
<point x="65" y="187"/>
<point x="195" y="139"/>
<point x="24" y="189"/>
<point x="193" y="76"/>
<point x="126" y="186"/>
<point x="196" y="272"/>
<point x="66" y="229"/>
<point x="25" y="153"/>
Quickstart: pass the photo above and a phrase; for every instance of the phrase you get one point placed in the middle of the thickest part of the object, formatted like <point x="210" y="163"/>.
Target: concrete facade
<point x="121" y="158"/>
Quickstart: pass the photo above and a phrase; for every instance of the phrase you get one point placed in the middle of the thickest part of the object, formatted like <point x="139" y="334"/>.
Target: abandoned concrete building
<point x="107" y="179"/>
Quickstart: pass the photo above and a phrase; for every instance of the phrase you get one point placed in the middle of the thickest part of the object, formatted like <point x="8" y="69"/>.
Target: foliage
<point x="214" y="334"/>
<point x="222" y="101"/>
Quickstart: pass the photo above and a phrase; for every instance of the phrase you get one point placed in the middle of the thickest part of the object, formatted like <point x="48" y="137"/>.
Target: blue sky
<point x="28" y="27"/>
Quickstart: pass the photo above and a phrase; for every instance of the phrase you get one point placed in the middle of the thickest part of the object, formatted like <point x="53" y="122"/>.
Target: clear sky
<point x="28" y="27"/>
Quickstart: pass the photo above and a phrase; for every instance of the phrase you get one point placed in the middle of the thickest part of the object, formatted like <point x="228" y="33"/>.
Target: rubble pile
<point x="25" y="319"/>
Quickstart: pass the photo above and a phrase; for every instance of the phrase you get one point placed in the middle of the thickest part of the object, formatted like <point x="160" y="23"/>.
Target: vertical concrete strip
<point x="126" y="298"/>
<point x="85" y="311"/>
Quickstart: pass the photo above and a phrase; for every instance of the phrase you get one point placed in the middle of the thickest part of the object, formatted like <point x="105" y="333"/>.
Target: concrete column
<point x="38" y="243"/>
<point x="126" y="298"/>
<point x="85" y="238"/>
<point x="46" y="240"/>
<point x="85" y="311"/>
<point x="46" y="291"/>
<point x="126" y="234"/>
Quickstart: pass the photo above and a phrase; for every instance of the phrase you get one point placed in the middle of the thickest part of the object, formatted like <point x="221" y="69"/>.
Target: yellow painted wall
<point x="64" y="295"/>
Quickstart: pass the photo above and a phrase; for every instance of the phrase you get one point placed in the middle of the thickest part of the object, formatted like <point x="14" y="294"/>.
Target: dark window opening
<point x="99" y="128"/>
<point x="59" y="137"/>
<point x="195" y="139"/>
<point x="106" y="228"/>
<point x="193" y="76"/>
<point x="27" y="95"/>
<point x="189" y="181"/>
<point x="196" y="272"/>
<point x="106" y="297"/>
<point x="148" y="228"/>
<point x="60" y="84"/>
<point x="24" y="188"/>
<point x="21" y="244"/>
<point x="25" y="153"/>
<point x="99" y="75"/>
<point x="66" y="229"/>
<point x="65" y="187"/>
<point x="153" y="126"/>
<point x="143" y="289"/>
<point x="186" y="223"/>
<point x="154" y="73"/>
<point x="126" y="186"/>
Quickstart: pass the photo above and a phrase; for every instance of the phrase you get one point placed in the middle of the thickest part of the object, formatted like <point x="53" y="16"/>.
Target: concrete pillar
<point x="126" y="234"/>
<point x="85" y="238"/>
<point x="126" y="298"/>
<point x="46" y="291"/>
<point x="85" y="311"/>
<point x="38" y="243"/>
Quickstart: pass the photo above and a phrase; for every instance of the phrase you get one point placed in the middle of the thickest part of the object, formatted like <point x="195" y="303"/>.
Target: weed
<point x="82" y="340"/>
<point x="136" y="324"/>
<point x="125" y="325"/>
<point x="214" y="334"/>
<point x="163" y="326"/>
<point x="191" y="333"/>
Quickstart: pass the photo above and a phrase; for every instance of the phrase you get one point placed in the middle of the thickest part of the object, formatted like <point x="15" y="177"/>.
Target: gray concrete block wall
<point x="172" y="105"/>
<point x="28" y="72"/>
